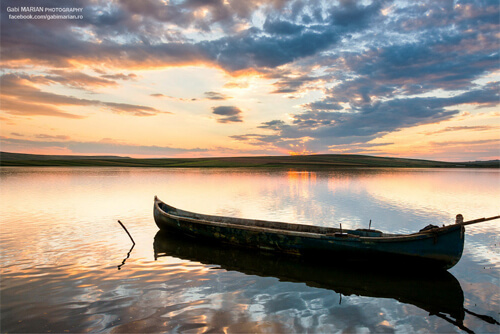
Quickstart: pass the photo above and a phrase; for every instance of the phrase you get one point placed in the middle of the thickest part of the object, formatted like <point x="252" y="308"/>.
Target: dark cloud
<point x="216" y="96"/>
<point x="382" y="117"/>
<point x="282" y="27"/>
<point x="250" y="49"/>
<point x="352" y="13"/>
<point x="427" y="66"/>
<point x="273" y="125"/>
<point x="227" y="114"/>
<point x="438" y="14"/>
<point x="289" y="85"/>
<point x="323" y="129"/>
<point x="375" y="119"/>
<point x="136" y="32"/>
<point x="98" y="39"/>
<point x="323" y="106"/>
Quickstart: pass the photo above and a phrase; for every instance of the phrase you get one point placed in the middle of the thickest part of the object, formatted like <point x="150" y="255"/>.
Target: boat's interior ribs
<point x="272" y="225"/>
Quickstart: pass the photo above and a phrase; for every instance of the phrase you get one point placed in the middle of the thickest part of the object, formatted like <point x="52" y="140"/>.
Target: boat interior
<point x="272" y="224"/>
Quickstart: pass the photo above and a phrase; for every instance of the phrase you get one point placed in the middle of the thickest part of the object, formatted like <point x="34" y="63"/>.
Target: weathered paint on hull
<point x="441" y="249"/>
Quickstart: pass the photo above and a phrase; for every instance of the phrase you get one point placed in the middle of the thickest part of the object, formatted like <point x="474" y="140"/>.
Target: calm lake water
<point x="63" y="252"/>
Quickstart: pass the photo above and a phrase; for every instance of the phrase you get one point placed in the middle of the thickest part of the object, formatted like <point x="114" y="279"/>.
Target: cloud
<point x="278" y="27"/>
<point x="259" y="139"/>
<point x="465" y="128"/>
<point x="359" y="148"/>
<point x="136" y="110"/>
<point x="150" y="34"/>
<point x="241" y="85"/>
<point x="273" y="125"/>
<point x="227" y="114"/>
<point x="216" y="96"/>
<point x="323" y="106"/>
<point x="19" y="107"/>
<point x="52" y="137"/>
<point x="16" y="89"/>
<point x="374" y="119"/>
<point x="468" y="142"/>
<point x="76" y="79"/>
<point x="120" y="76"/>
<point x="62" y="47"/>
<point x="73" y="79"/>
<point x="322" y="129"/>
<point x="485" y="149"/>
<point x="250" y="50"/>
<point x="351" y="14"/>
<point x="183" y="99"/>
<point x="288" y="85"/>
<point x="99" y="147"/>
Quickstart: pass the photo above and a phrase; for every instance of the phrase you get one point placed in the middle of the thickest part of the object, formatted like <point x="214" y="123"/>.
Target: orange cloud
<point x="23" y="98"/>
<point x="19" y="107"/>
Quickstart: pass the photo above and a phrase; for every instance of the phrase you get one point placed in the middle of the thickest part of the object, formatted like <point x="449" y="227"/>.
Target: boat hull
<point x="440" y="248"/>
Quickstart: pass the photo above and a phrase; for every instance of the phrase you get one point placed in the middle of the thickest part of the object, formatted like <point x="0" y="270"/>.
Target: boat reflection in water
<point x="437" y="292"/>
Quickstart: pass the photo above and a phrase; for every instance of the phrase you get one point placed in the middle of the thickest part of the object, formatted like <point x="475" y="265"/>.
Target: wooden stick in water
<point x="127" y="232"/>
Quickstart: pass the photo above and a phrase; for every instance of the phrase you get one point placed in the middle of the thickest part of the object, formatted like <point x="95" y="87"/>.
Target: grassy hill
<point x="303" y="161"/>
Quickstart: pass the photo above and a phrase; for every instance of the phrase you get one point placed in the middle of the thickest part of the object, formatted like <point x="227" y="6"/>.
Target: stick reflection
<point x="125" y="259"/>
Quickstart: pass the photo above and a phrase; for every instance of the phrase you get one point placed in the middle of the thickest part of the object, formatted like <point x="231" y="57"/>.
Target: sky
<point x="193" y="78"/>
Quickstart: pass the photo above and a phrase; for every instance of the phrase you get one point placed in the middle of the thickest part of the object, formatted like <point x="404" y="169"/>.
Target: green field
<point x="302" y="161"/>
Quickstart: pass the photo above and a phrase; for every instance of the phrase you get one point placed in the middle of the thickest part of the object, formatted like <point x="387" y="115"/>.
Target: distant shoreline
<point x="300" y="161"/>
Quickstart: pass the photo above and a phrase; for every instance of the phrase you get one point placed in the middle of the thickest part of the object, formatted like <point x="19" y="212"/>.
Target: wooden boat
<point x="433" y="246"/>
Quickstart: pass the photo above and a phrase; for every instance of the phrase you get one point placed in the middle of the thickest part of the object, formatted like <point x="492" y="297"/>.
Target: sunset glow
<point x="240" y="78"/>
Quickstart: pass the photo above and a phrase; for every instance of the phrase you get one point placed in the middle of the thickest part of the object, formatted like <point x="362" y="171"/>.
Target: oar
<point x="486" y="318"/>
<point x="475" y="221"/>
<point x="458" y="323"/>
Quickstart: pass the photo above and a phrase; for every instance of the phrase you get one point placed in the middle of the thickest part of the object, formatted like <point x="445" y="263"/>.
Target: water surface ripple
<point x="68" y="266"/>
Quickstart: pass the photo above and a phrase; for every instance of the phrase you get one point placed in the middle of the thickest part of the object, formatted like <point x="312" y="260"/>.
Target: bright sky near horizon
<point x="193" y="78"/>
